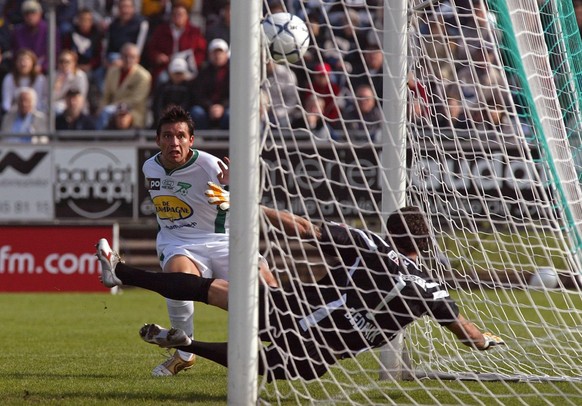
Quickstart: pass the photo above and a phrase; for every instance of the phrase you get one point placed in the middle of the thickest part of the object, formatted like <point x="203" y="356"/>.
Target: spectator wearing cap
<point x="129" y="83"/>
<point x="212" y="88"/>
<point x="177" y="90"/>
<point x="73" y="117"/>
<point x="178" y="36"/>
<point x="25" y="119"/>
<point x="68" y="76"/>
<point x="33" y="34"/>
<point x="121" y="119"/>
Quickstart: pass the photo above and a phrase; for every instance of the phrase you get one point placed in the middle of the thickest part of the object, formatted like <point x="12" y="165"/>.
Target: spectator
<point x="218" y="26"/>
<point x="73" y="117"/>
<point x="121" y="119"/>
<point x="68" y="76"/>
<point x="323" y="86"/>
<point x="33" y="34"/>
<point x="452" y="114"/>
<point x="4" y="70"/>
<point x="127" y="27"/>
<point x="365" y="115"/>
<point x="284" y="99"/>
<point x="24" y="118"/>
<point x="212" y="89"/>
<point x="65" y="14"/>
<point x="178" y="37"/>
<point x="177" y="90"/>
<point x="314" y="121"/>
<point x="371" y="73"/>
<point x="86" y="40"/>
<point x="24" y="74"/>
<point x="129" y="83"/>
<point x="157" y="11"/>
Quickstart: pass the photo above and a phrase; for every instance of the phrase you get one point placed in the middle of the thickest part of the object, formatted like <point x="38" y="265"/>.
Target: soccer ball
<point x="286" y="36"/>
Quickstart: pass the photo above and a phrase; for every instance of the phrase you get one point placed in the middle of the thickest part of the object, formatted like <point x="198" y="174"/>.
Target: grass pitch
<point x="84" y="349"/>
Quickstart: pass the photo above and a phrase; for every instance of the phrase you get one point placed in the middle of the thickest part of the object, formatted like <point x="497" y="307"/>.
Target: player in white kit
<point x="193" y="234"/>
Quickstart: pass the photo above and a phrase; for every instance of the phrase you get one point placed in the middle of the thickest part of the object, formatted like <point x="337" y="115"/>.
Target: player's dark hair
<point x="175" y="114"/>
<point x="408" y="230"/>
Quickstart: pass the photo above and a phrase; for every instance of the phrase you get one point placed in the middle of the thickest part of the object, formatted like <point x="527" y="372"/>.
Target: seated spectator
<point x="121" y="119"/>
<point x="364" y="116"/>
<point x="218" y="26"/>
<point x="371" y="73"/>
<point x="73" y="117"/>
<point x="212" y="89"/>
<point x="67" y="77"/>
<point x="128" y="27"/>
<point x="24" y="118"/>
<point x="33" y="34"/>
<point x="65" y="13"/>
<point x="313" y="120"/>
<point x="178" y="37"/>
<point x="129" y="83"/>
<point x="24" y="74"/>
<point x="177" y="90"/>
<point x="158" y="11"/>
<point x="284" y="98"/>
<point x="322" y="85"/>
<point x="86" y="41"/>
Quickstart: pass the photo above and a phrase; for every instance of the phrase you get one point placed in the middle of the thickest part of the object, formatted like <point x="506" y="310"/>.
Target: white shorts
<point x="211" y="257"/>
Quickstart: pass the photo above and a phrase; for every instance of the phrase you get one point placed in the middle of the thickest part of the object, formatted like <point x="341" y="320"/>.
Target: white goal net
<point x="492" y="143"/>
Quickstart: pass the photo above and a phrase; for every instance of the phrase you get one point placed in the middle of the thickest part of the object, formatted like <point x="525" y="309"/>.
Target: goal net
<point x="492" y="155"/>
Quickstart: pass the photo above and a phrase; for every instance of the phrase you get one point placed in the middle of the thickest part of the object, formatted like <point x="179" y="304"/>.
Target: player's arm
<point x="291" y="224"/>
<point x="468" y="333"/>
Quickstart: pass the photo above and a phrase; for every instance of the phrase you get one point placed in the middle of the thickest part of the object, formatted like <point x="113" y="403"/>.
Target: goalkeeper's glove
<point x="218" y="196"/>
<point x="491" y="341"/>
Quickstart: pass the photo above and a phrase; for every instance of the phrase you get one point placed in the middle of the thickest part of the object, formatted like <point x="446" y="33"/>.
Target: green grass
<point x="83" y="349"/>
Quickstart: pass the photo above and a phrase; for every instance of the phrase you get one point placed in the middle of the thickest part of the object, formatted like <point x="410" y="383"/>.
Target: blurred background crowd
<point x="118" y="63"/>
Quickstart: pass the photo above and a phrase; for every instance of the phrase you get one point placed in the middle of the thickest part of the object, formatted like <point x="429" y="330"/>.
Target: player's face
<point x="175" y="142"/>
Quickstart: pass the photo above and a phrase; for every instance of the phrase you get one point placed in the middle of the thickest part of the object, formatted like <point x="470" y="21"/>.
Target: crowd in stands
<point x="120" y="62"/>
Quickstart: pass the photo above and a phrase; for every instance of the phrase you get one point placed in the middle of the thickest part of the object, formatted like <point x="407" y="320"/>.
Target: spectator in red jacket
<point x="176" y="37"/>
<point x="323" y="85"/>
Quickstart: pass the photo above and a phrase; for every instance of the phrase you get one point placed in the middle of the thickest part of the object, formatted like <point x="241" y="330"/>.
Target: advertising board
<point x="51" y="258"/>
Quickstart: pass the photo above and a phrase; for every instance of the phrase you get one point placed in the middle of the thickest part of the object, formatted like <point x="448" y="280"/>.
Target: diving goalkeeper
<point x="375" y="290"/>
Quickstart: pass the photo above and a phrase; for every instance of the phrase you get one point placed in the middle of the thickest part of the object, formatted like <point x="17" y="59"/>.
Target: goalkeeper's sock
<point x="178" y="286"/>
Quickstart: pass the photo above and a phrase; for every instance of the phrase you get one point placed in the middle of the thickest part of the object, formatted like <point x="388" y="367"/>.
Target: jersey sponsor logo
<point x="361" y="323"/>
<point x="171" y="208"/>
<point x="153" y="183"/>
<point x="168" y="184"/>
<point x="424" y="285"/>
<point x="183" y="188"/>
<point x="393" y="256"/>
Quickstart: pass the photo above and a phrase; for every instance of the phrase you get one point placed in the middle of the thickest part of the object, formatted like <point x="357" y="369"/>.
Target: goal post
<point x="476" y="119"/>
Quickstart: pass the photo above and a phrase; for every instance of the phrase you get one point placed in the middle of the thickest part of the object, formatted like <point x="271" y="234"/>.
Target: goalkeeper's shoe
<point x="109" y="260"/>
<point x="491" y="340"/>
<point x="154" y="334"/>
<point x="173" y="365"/>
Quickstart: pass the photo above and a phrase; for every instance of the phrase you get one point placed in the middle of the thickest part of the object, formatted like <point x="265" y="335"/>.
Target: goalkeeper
<point x="373" y="292"/>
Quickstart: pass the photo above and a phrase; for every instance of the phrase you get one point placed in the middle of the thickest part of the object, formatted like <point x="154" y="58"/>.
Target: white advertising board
<point x="26" y="183"/>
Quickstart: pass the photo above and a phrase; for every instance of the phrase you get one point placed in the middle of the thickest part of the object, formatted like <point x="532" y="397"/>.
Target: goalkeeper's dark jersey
<point x="366" y="298"/>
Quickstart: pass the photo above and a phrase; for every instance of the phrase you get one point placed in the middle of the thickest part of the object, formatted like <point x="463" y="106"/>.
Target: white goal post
<point x="479" y="124"/>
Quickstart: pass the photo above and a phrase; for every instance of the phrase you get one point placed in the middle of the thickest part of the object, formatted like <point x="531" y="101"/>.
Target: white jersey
<point x="182" y="209"/>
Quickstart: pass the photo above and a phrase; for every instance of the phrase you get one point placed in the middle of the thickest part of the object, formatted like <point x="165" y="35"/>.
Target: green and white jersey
<point x="182" y="209"/>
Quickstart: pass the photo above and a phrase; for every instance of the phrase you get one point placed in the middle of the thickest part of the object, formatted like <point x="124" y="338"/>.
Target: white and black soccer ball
<point x="286" y="37"/>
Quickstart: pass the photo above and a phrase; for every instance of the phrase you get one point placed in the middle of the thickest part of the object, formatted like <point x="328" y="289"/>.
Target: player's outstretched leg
<point x="155" y="334"/>
<point x="109" y="260"/>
